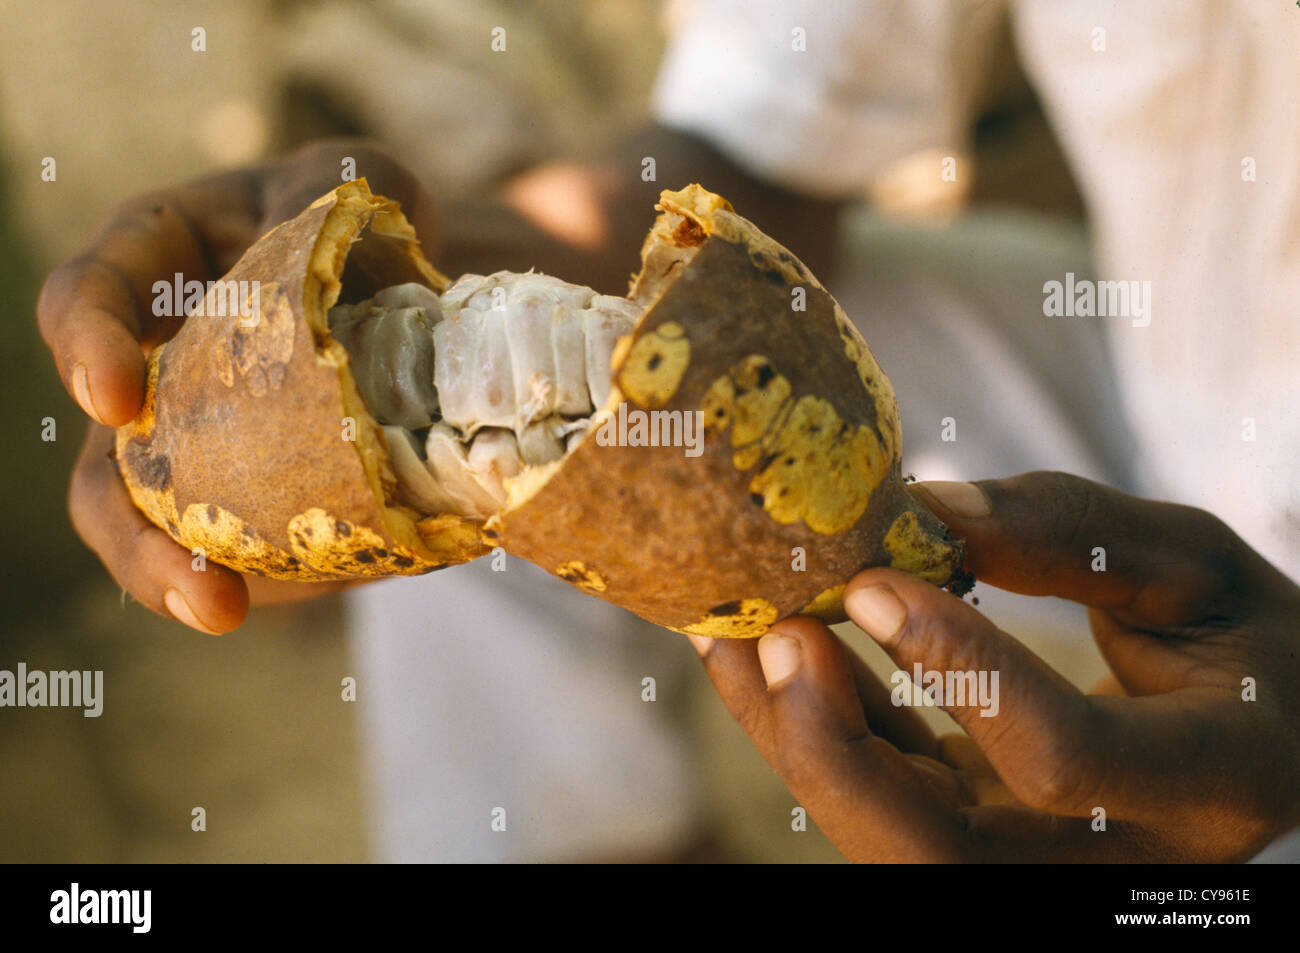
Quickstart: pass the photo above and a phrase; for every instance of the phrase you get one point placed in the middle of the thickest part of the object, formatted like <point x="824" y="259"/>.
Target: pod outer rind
<point x="798" y="485"/>
<point x="253" y="446"/>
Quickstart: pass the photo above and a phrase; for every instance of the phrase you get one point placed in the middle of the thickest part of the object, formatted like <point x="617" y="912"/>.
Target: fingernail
<point x="176" y="604"/>
<point x="965" y="500"/>
<point x="779" y="656"/>
<point x="81" y="390"/>
<point x="702" y="644"/>
<point x="878" y="611"/>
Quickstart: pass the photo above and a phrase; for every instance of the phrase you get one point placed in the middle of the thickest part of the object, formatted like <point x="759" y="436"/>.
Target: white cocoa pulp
<point x="498" y="373"/>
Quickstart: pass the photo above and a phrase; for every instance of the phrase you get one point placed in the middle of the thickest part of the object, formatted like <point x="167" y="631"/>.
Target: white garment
<point x="510" y="696"/>
<point x="483" y="690"/>
<point x="1162" y="108"/>
<point x="1158" y="126"/>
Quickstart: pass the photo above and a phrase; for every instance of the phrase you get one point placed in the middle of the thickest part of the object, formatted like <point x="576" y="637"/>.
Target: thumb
<point x="872" y="801"/>
<point x="1034" y="726"/>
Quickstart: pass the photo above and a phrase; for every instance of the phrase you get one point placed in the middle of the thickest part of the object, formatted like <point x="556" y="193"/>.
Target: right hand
<point x="1191" y="755"/>
<point x="95" y="315"/>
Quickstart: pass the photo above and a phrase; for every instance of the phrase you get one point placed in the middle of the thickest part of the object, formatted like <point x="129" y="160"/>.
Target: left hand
<point x="1190" y="766"/>
<point x="94" y="314"/>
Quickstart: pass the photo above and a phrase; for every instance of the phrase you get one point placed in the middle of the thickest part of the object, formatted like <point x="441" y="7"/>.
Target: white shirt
<point x="1163" y="109"/>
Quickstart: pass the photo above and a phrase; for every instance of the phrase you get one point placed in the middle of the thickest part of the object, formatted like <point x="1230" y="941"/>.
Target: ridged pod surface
<point x="798" y="485"/>
<point x="255" y="446"/>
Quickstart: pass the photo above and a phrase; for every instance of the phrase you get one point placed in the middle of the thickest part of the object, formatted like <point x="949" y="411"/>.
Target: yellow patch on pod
<point x="576" y="572"/>
<point x="915" y="551"/>
<point x="655" y="365"/>
<point x="820" y="469"/>
<point x="826" y="605"/>
<point x="823" y="471"/>
<point x="718" y="403"/>
<point x="225" y="538"/>
<point x="735" y="620"/>
<point x="338" y="546"/>
<point x="760" y="393"/>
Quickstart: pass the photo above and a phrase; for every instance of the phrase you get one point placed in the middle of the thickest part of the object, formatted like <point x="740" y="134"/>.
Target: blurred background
<point x="251" y="726"/>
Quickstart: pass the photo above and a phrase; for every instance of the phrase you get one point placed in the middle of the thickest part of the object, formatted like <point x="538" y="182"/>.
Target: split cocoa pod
<point x="736" y="460"/>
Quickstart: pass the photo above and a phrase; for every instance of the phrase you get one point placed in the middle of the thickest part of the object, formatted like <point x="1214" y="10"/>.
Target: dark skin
<point x="1184" y="768"/>
<point x="95" y="313"/>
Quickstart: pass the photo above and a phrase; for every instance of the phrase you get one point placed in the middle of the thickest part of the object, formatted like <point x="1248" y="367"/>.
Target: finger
<point x="733" y="667"/>
<point x="1030" y="722"/>
<point x="220" y="214"/>
<point x="740" y="682"/>
<point x="274" y="592"/>
<point x="1145" y="664"/>
<point x="142" y="558"/>
<point x="877" y="805"/>
<point x="796" y="696"/>
<point x="1149" y="566"/>
<point x="88" y="319"/>
<point x="979" y="778"/>
<point x="1107" y="685"/>
<point x="1165" y="759"/>
<point x="314" y="170"/>
<point x="900" y="725"/>
<point x="1001" y="833"/>
<point x="96" y="310"/>
<point x="1157" y="564"/>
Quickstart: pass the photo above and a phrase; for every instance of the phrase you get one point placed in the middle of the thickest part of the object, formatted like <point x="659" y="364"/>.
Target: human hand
<point x="96" y="316"/>
<point x="1183" y="765"/>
